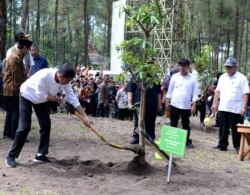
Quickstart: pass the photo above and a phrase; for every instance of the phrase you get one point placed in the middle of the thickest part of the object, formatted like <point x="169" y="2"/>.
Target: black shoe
<point x="134" y="141"/>
<point x="41" y="158"/>
<point x="6" y="137"/>
<point x="237" y="149"/>
<point x="10" y="161"/>
<point x="190" y="144"/>
<point x="223" y="149"/>
<point x="216" y="147"/>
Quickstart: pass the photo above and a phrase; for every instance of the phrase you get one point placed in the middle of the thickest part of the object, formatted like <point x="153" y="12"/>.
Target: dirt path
<point x="82" y="164"/>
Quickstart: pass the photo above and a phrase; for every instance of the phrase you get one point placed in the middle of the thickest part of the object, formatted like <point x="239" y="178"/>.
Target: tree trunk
<point x="56" y="35"/>
<point x="70" y="33"/>
<point x="199" y="41"/>
<point x="239" y="22"/>
<point x="24" y="20"/>
<point x="14" y="18"/>
<point x="105" y="40"/>
<point x="86" y="31"/>
<point x="10" y="24"/>
<point x="143" y="101"/>
<point x="246" y="52"/>
<point x="141" y="120"/>
<point x="77" y="35"/>
<point x="209" y="22"/>
<point x="236" y="29"/>
<point x="64" y="49"/>
<point x="32" y="29"/>
<point x="38" y="22"/>
<point x="189" y="34"/>
<point x="110" y="11"/>
<point x="76" y="62"/>
<point x="221" y="14"/>
<point x="3" y="21"/>
<point x="241" y="26"/>
<point x="228" y="43"/>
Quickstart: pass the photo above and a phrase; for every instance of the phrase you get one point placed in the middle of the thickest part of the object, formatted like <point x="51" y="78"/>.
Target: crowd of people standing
<point x="101" y="96"/>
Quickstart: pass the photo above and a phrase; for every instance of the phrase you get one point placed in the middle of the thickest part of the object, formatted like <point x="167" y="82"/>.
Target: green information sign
<point x="173" y="140"/>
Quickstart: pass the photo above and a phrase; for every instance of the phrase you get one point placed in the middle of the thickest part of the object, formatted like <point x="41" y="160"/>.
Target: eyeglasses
<point x="229" y="67"/>
<point x="183" y="65"/>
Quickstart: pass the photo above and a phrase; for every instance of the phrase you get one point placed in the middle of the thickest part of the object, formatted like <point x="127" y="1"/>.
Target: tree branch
<point x="138" y="22"/>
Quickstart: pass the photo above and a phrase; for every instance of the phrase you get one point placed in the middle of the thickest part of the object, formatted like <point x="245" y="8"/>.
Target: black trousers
<point x="150" y="117"/>
<point x="103" y="111"/>
<point x="123" y="113"/>
<point x="202" y="109"/>
<point x="229" y="120"/>
<point x="42" y="113"/>
<point x="11" y="106"/>
<point x="176" y="114"/>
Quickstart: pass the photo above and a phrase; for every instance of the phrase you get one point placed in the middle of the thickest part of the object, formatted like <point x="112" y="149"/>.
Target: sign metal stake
<point x="169" y="167"/>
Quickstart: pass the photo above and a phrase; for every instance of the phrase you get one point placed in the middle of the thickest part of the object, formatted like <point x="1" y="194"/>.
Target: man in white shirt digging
<point x="35" y="93"/>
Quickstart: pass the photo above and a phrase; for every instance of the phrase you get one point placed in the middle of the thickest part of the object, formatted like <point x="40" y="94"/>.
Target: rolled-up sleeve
<point x="245" y="87"/>
<point x="70" y="96"/>
<point x="170" y="89"/>
<point x="195" y="91"/>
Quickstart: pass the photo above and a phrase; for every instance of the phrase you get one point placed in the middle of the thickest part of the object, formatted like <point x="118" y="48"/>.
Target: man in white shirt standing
<point x="232" y="90"/>
<point x="182" y="96"/>
<point x="35" y="93"/>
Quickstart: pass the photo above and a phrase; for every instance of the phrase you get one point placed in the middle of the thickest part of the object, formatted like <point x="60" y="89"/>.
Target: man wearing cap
<point x="14" y="75"/>
<point x="182" y="96"/>
<point x="232" y="91"/>
<point x="28" y="60"/>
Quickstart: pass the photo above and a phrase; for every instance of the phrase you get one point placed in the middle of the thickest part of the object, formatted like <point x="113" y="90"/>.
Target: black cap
<point x="24" y="42"/>
<point x="21" y="35"/>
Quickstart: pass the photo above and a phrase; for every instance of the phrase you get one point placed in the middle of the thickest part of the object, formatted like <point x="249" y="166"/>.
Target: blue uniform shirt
<point x="151" y="95"/>
<point x="40" y="63"/>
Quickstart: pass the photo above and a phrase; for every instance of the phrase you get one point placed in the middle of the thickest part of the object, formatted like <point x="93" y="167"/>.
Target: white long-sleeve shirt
<point x="232" y="90"/>
<point x="183" y="90"/>
<point x="42" y="84"/>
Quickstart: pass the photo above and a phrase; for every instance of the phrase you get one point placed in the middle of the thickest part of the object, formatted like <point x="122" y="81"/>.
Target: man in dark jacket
<point x="153" y="105"/>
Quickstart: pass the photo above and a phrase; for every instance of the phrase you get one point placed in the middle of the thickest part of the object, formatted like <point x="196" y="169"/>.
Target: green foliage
<point x="141" y="68"/>
<point x="122" y="78"/>
<point x="146" y="14"/>
<point x="203" y="61"/>
<point x="70" y="27"/>
<point x="138" y="53"/>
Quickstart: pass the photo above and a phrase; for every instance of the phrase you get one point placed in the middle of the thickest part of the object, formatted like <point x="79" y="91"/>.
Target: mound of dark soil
<point x="73" y="167"/>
